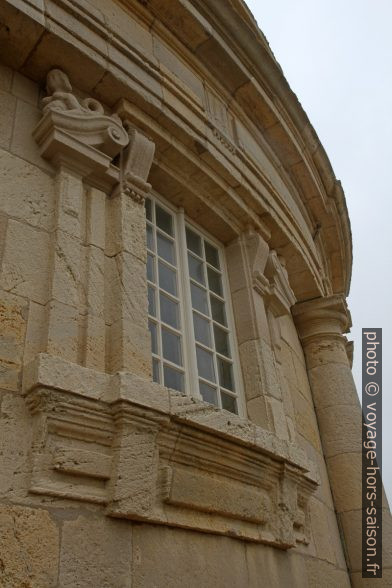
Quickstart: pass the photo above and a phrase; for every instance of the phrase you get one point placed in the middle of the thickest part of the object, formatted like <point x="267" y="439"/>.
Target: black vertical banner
<point x="371" y="453"/>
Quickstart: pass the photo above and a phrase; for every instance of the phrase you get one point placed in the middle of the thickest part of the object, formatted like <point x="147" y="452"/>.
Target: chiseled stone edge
<point x="52" y="372"/>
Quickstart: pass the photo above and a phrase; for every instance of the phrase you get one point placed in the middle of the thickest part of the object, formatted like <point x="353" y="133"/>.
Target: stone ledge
<point x="148" y="453"/>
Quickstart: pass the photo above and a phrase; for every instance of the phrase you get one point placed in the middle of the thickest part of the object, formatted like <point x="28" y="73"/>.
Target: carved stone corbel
<point x="135" y="165"/>
<point x="79" y="133"/>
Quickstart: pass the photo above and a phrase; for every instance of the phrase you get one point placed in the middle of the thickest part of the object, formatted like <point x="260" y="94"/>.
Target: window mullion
<point x="187" y="315"/>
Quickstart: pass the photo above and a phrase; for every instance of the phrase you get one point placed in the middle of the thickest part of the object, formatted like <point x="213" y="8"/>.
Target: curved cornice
<point x="237" y="27"/>
<point x="275" y="175"/>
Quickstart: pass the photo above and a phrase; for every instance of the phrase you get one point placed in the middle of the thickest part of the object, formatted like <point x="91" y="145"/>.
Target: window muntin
<point x="190" y="319"/>
<point x="164" y="305"/>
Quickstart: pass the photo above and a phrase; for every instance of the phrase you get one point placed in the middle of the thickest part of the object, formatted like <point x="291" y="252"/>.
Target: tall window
<point x="192" y="343"/>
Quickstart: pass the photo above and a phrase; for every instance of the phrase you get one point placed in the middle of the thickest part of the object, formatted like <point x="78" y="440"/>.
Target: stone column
<point x="321" y="323"/>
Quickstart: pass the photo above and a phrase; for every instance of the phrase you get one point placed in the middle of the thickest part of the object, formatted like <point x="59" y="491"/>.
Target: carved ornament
<point x="146" y="453"/>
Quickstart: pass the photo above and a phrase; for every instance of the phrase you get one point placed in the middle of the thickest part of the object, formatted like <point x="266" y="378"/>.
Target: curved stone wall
<point x="111" y="479"/>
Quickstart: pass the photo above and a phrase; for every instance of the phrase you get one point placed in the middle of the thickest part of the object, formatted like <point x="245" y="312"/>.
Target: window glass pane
<point x="218" y="310"/>
<point x="222" y="341"/>
<point x="155" y="370"/>
<point x="208" y="393"/>
<point x="214" y="281"/>
<point x="166" y="249"/>
<point x="171" y="346"/>
<point x="154" y="340"/>
<point x="149" y="209"/>
<point x="229" y="403"/>
<point x="212" y="255"/>
<point x="193" y="242"/>
<point x="169" y="311"/>
<point x="196" y="270"/>
<point x="150" y="237"/>
<point x="205" y="364"/>
<point x="173" y="378"/>
<point x="167" y="278"/>
<point x="150" y="268"/>
<point x="164" y="220"/>
<point x="151" y="301"/>
<point x="225" y="374"/>
<point x="202" y="329"/>
<point x="199" y="299"/>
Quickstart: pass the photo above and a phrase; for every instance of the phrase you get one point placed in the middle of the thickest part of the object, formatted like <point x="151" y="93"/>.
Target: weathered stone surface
<point x="29" y="546"/>
<point x="320" y="574"/>
<point x="26" y="192"/>
<point x="95" y="552"/>
<point x="13" y="315"/>
<point x="25" y="270"/>
<point x="174" y="557"/>
<point x="7" y="109"/>
<point x="268" y="567"/>
<point x="14" y="447"/>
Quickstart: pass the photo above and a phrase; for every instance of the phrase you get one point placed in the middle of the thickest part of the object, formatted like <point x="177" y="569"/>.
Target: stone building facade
<point x="178" y="411"/>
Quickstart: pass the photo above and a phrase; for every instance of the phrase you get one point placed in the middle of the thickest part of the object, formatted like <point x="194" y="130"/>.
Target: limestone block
<point x="14" y="447"/>
<point x="56" y="373"/>
<point x="246" y="328"/>
<point x="6" y="74"/>
<point x="95" y="341"/>
<point x="63" y="330"/>
<point x="340" y="430"/>
<point x="274" y="569"/>
<point x="347" y="466"/>
<point x="302" y="377"/>
<point x="128" y="284"/>
<point x="66" y="269"/>
<point x="130" y="348"/>
<point x="333" y="387"/>
<point x="25" y="263"/>
<point x="126" y="227"/>
<point x="164" y="557"/>
<point x="23" y="143"/>
<point x="124" y="25"/>
<point x="96" y="202"/>
<point x="278" y="418"/>
<point x="70" y="194"/>
<point x="7" y="113"/>
<point x="35" y="341"/>
<point x="326" y="351"/>
<point x="13" y="314"/>
<point x="257" y="412"/>
<point x="319" y="521"/>
<point x="259" y="370"/>
<point x="178" y="67"/>
<point x="288" y="368"/>
<point x="127" y="386"/>
<point x="384" y="582"/>
<point x="25" y="89"/>
<point x="29" y="546"/>
<point x="95" y="553"/>
<point x="95" y="281"/>
<point x="26" y="193"/>
<point x="305" y="419"/>
<point x="290" y="336"/>
<point x="16" y="48"/>
<point x="321" y="574"/>
<point x="3" y="232"/>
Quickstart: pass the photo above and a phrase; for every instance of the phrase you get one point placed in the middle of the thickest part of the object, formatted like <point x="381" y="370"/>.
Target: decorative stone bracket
<point x="79" y="133"/>
<point x="147" y="453"/>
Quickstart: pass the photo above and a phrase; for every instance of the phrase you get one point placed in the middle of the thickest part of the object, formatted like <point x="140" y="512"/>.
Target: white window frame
<point x="191" y="376"/>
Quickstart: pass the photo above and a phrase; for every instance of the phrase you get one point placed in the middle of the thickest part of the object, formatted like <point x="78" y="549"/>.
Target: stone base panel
<point x="147" y="453"/>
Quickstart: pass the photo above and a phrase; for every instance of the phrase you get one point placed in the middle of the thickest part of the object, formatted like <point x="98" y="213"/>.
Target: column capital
<point x="322" y="317"/>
